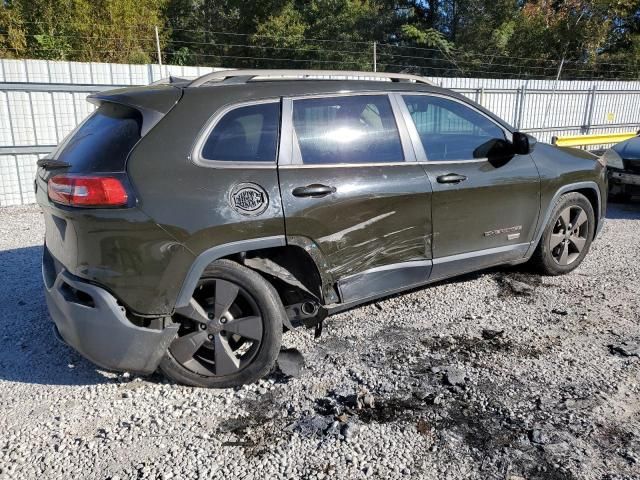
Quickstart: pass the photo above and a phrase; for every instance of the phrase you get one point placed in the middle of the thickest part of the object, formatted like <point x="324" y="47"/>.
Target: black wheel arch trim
<point x="571" y="187"/>
<point x="214" y="253"/>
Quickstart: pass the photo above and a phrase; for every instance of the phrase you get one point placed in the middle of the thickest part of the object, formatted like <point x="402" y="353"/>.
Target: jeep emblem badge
<point x="249" y="199"/>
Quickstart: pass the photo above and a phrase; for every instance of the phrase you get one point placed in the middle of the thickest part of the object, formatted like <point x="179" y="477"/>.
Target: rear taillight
<point x="88" y="191"/>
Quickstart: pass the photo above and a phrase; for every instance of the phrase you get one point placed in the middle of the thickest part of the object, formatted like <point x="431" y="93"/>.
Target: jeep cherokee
<point x="190" y="223"/>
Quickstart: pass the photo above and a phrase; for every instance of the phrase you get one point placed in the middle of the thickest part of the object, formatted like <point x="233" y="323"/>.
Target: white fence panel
<point x="9" y="181"/>
<point x="39" y="117"/>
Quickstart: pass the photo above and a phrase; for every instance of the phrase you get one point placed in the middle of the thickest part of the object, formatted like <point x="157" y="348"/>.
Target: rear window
<point x="103" y="141"/>
<point x="245" y="134"/>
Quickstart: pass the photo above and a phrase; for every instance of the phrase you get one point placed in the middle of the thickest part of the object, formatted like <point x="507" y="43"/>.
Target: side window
<point x="245" y="134"/>
<point x="450" y="130"/>
<point x="347" y="129"/>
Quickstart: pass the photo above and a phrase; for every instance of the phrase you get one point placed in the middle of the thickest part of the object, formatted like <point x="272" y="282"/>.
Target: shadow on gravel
<point x="29" y="352"/>
<point x="624" y="211"/>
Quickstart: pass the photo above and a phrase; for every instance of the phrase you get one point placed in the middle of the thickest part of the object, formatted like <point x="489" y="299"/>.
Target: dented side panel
<point x="378" y="215"/>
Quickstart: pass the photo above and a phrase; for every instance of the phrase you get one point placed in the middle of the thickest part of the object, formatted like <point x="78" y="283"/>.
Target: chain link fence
<point x="42" y="101"/>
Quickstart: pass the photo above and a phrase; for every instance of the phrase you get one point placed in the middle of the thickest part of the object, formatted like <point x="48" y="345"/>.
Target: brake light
<point x="87" y="191"/>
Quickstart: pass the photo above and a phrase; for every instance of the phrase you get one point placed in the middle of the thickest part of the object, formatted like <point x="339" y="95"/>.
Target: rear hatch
<point x="104" y="140"/>
<point x="94" y="228"/>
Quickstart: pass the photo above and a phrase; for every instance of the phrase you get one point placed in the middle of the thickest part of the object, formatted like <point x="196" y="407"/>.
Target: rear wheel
<point x="231" y="331"/>
<point x="567" y="237"/>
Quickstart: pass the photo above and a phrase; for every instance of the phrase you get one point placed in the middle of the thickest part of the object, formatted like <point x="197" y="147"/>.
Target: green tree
<point x="13" y="42"/>
<point x="84" y="30"/>
<point x="335" y="34"/>
<point x="527" y="38"/>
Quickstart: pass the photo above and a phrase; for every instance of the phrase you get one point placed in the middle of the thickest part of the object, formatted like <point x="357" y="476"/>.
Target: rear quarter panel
<point x="189" y="201"/>
<point x="122" y="250"/>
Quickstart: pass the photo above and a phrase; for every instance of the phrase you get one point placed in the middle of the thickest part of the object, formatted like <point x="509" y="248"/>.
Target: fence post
<point x="55" y="115"/>
<point x="589" y="112"/>
<point x="516" y="108"/>
<point x="15" y="157"/>
<point x="479" y="95"/>
<point x="522" y="95"/>
<point x="553" y="93"/>
<point x="375" y="56"/>
<point x="33" y="118"/>
<point x="13" y="142"/>
<point x="159" y="53"/>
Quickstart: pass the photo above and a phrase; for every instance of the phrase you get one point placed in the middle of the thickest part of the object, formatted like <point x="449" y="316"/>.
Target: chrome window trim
<point x="212" y="122"/>
<point x="348" y="165"/>
<point x="415" y="137"/>
<point x="443" y="162"/>
<point x="343" y="93"/>
<point x="296" y="154"/>
<point x="421" y="155"/>
<point x="403" y="131"/>
<point x="287" y="135"/>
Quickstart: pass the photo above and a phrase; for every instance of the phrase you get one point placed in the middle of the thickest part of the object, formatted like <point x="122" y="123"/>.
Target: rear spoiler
<point x="153" y="102"/>
<point x="172" y="80"/>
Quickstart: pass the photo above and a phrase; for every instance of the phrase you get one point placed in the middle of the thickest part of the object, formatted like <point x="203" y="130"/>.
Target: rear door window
<point x="347" y="129"/>
<point x="103" y="142"/>
<point x="245" y="134"/>
<point x="449" y="130"/>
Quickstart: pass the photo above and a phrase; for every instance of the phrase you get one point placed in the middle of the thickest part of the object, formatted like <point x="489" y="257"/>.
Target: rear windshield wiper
<point x="50" y="163"/>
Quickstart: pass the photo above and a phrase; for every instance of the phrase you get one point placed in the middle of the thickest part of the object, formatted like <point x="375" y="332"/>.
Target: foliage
<point x="430" y="37"/>
<point x="440" y="37"/>
<point x="105" y="30"/>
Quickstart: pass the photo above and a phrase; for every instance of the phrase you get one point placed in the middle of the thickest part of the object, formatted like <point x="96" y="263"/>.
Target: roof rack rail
<point x="244" y="76"/>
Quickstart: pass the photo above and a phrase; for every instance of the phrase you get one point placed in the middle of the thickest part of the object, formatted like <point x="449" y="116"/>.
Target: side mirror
<point x="523" y="144"/>
<point x="495" y="149"/>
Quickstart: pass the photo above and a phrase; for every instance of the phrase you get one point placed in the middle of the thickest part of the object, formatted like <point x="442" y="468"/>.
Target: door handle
<point x="451" y="178"/>
<point x="315" y="190"/>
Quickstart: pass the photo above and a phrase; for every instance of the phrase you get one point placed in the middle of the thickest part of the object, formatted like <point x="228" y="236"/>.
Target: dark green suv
<point x="188" y="224"/>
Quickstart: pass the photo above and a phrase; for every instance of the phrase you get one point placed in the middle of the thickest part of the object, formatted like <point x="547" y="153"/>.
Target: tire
<point x="225" y="330"/>
<point x="549" y="257"/>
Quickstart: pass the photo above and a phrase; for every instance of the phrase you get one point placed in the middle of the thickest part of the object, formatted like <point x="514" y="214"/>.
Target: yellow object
<point x="598" y="139"/>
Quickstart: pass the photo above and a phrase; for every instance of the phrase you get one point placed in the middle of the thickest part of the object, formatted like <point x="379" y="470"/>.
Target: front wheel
<point x="231" y="331"/>
<point x="567" y="237"/>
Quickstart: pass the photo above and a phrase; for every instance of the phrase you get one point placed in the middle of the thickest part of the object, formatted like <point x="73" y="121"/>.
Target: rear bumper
<point x="89" y="319"/>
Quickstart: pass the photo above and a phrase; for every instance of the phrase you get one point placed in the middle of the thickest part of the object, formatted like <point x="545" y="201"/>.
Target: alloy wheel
<point x="221" y="329"/>
<point x="569" y="235"/>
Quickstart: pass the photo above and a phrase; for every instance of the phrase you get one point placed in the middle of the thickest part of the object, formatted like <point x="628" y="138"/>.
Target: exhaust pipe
<point x="309" y="308"/>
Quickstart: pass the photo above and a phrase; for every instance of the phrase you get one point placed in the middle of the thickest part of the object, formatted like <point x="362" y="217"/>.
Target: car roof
<point x="241" y="92"/>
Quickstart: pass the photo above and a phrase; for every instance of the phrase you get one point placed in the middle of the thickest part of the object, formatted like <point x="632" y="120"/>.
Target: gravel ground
<point x="496" y="375"/>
